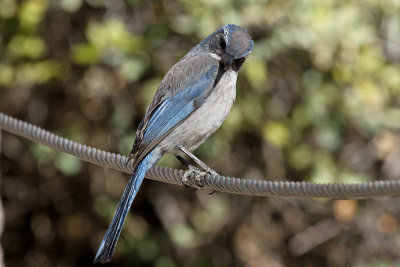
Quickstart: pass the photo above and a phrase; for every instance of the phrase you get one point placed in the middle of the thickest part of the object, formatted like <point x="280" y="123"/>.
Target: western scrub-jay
<point x="192" y="101"/>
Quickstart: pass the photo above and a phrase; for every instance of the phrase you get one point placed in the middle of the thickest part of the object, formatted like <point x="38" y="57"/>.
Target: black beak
<point x="227" y="61"/>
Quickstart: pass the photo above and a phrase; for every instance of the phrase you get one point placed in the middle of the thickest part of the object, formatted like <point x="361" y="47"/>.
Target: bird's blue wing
<point x="175" y="109"/>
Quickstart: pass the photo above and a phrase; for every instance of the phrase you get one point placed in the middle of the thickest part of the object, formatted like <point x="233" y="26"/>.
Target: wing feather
<point x="167" y="111"/>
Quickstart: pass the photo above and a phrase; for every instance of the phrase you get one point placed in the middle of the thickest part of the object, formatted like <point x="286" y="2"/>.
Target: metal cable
<point x="215" y="182"/>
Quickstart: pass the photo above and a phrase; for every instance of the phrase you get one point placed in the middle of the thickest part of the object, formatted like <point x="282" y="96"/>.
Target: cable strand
<point x="214" y="182"/>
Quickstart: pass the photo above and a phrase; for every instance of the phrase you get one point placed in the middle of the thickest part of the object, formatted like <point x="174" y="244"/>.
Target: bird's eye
<point x="222" y="43"/>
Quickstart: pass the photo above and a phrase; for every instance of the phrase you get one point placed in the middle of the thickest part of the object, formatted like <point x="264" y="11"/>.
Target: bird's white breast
<point x="204" y="121"/>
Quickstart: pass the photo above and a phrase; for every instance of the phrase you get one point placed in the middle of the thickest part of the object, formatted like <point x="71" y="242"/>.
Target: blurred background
<point x="317" y="100"/>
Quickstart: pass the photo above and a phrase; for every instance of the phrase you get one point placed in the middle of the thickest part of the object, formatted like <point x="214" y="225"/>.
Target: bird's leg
<point x="182" y="160"/>
<point x="200" y="163"/>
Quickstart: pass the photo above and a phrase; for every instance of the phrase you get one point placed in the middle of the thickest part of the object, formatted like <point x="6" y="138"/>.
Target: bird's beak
<point x="227" y="61"/>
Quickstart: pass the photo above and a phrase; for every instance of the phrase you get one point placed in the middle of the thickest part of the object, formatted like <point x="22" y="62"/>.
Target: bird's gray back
<point x="183" y="74"/>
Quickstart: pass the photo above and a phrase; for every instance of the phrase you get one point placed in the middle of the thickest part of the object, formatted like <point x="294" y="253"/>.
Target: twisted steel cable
<point x="215" y="182"/>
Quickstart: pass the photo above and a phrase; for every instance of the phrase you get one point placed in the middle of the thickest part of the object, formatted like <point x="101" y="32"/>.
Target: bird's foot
<point x="210" y="171"/>
<point x="198" y="176"/>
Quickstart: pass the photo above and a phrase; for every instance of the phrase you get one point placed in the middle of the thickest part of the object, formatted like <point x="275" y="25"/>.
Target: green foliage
<point x="317" y="100"/>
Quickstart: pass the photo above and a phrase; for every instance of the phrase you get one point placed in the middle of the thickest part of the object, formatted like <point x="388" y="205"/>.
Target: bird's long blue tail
<point x="107" y="246"/>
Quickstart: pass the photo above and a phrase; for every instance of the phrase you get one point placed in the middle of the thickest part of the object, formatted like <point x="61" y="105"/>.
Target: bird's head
<point x="230" y="44"/>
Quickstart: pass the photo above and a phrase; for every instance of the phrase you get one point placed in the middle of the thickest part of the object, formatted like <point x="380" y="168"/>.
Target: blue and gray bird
<point x="192" y="101"/>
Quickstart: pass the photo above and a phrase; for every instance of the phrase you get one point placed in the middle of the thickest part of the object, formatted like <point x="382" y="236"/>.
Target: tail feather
<point x="110" y="239"/>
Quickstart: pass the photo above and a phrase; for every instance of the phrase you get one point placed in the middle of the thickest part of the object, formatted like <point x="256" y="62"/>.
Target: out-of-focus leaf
<point x="26" y="46"/>
<point x="132" y="68"/>
<point x="31" y="13"/>
<point x="6" y="75"/>
<point x="147" y="250"/>
<point x="71" y="5"/>
<point x="164" y="262"/>
<point x="8" y="8"/>
<point x="183" y="235"/>
<point x="256" y="72"/>
<point x="276" y="133"/>
<point x="84" y="54"/>
<point x="112" y="35"/>
<point x="68" y="165"/>
<point x="39" y="72"/>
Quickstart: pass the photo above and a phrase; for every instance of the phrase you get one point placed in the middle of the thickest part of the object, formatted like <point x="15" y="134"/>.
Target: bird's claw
<point x="198" y="176"/>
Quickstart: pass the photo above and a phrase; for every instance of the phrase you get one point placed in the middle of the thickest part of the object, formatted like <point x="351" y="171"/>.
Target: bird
<point x="192" y="101"/>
